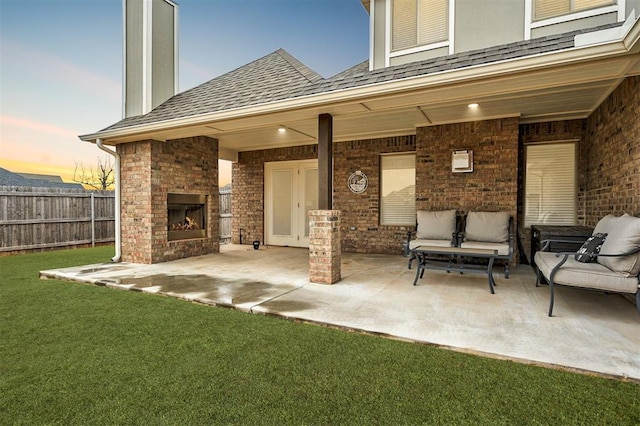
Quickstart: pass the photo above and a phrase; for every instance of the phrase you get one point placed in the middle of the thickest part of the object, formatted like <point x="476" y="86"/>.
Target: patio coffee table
<point x="454" y="263"/>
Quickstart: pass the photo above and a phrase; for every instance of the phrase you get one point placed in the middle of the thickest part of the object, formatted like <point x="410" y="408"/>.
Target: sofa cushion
<point x="604" y="224"/>
<point x="433" y="243"/>
<point x="587" y="275"/>
<point x="590" y="248"/>
<point x="436" y="225"/>
<point x="624" y="236"/>
<point x="491" y="227"/>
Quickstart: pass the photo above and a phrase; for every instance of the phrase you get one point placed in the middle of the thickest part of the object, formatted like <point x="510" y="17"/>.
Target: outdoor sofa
<point x="475" y="230"/>
<point x="608" y="261"/>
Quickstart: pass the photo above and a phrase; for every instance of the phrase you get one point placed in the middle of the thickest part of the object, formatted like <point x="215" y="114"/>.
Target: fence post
<point x="93" y="221"/>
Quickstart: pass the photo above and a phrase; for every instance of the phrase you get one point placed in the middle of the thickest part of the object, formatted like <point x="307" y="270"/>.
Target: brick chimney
<point x="150" y="54"/>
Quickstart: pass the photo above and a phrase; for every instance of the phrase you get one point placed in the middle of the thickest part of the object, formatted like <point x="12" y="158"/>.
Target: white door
<point x="291" y="190"/>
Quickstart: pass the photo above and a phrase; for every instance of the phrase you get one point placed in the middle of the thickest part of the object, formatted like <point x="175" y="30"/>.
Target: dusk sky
<point x="61" y="63"/>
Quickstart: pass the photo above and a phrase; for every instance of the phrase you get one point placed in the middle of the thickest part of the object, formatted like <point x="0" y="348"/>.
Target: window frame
<point x="573" y="10"/>
<point x="531" y="23"/>
<point x="381" y="222"/>
<point x="576" y="146"/>
<point x="448" y="42"/>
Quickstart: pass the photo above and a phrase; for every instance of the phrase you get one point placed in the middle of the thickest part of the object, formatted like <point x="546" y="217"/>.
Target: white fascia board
<point x="377" y="89"/>
<point x="608" y="35"/>
<point x="372" y="27"/>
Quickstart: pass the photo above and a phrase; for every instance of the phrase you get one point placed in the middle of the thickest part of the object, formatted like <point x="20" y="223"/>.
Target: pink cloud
<point x="54" y="68"/>
<point x="36" y="126"/>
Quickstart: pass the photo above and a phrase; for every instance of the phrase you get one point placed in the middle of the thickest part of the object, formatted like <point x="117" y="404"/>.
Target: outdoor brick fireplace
<point x="186" y="216"/>
<point x="170" y="198"/>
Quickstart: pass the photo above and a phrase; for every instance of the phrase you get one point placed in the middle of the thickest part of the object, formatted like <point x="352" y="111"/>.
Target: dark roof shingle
<point x="280" y="76"/>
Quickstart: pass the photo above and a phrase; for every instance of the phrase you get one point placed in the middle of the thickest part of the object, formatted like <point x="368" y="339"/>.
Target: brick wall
<point x="360" y="213"/>
<point x="149" y="171"/>
<point x="608" y="156"/>
<point x="564" y="130"/>
<point x="492" y="186"/>
<point x="247" y="174"/>
<point x="612" y="142"/>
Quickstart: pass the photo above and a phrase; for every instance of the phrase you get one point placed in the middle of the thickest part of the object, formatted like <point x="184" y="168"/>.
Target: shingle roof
<point x="8" y="178"/>
<point x="280" y="76"/>
<point x="274" y="77"/>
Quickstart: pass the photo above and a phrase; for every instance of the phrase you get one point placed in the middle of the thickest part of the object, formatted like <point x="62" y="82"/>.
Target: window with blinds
<point x="419" y="22"/>
<point x="550" y="184"/>
<point x="544" y="9"/>
<point x="398" y="189"/>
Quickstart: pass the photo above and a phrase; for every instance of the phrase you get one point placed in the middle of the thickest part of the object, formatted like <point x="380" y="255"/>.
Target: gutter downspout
<point x="116" y="156"/>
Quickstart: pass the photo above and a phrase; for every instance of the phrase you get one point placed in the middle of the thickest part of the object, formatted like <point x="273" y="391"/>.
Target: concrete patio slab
<point x="590" y="331"/>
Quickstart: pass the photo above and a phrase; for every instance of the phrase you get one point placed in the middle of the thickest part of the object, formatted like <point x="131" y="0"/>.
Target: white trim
<point x="452" y="19"/>
<point x="622" y="10"/>
<point x="419" y="49"/>
<point x="147" y="55"/>
<point x="298" y="219"/>
<point x="372" y="28"/>
<point x="528" y="18"/>
<point x="176" y="47"/>
<point x="389" y="34"/>
<point x="607" y="35"/>
<point x="574" y="16"/>
<point x="124" y="58"/>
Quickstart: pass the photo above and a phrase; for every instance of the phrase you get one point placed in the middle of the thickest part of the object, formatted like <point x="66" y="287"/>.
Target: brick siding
<point x="247" y="175"/>
<point x="608" y="172"/>
<point x="149" y="171"/>
<point x="612" y="141"/>
<point x="555" y="131"/>
<point x="360" y="213"/>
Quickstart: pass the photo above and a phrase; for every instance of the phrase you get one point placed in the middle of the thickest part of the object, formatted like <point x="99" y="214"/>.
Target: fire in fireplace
<point x="186" y="216"/>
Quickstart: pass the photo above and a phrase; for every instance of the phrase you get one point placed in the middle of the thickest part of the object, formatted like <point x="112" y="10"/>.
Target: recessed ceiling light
<point x="472" y="106"/>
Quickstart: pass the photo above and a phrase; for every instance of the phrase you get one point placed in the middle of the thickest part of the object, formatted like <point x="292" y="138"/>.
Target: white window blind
<point x="550" y="184"/>
<point x="419" y="22"/>
<point x="433" y="21"/>
<point x="398" y="189"/>
<point x="550" y="8"/>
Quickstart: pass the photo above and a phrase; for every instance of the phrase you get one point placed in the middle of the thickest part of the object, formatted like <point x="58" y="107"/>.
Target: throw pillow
<point x="590" y="249"/>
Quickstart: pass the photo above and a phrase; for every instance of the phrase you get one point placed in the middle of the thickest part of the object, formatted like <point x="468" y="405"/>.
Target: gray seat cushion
<point x="587" y="275"/>
<point x="623" y="236"/>
<point x="490" y="227"/>
<point x="436" y="225"/>
<point x="434" y="243"/>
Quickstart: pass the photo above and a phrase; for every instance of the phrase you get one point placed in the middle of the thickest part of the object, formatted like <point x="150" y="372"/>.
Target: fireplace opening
<point x="186" y="216"/>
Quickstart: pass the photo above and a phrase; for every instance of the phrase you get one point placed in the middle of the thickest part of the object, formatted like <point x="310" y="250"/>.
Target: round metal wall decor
<point x="358" y="182"/>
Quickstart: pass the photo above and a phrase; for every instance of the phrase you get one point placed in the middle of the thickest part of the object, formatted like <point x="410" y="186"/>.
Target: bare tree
<point x="100" y="177"/>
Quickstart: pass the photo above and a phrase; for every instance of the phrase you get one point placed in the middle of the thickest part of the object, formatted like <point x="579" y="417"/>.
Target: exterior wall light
<point x="282" y="129"/>
<point x="473" y="106"/>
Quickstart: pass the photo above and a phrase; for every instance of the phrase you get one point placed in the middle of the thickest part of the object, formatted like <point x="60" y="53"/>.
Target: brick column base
<point x="324" y="246"/>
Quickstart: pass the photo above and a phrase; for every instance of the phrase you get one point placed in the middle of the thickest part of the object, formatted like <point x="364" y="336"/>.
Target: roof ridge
<point x="303" y="69"/>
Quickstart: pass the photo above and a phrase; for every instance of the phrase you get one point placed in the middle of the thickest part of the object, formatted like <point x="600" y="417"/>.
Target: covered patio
<point x="590" y="332"/>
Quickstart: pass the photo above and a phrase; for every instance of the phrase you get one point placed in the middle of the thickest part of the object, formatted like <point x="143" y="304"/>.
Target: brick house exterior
<point x="561" y="79"/>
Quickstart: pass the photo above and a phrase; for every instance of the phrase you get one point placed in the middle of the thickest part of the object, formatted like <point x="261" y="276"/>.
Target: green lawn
<point x="79" y="354"/>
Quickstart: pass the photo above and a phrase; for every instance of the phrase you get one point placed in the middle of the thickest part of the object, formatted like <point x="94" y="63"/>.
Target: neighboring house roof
<point x="48" y="178"/>
<point x="8" y="178"/>
<point x="280" y="76"/>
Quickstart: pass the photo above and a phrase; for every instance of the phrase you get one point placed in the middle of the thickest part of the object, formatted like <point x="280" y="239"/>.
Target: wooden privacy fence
<point x="43" y="218"/>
